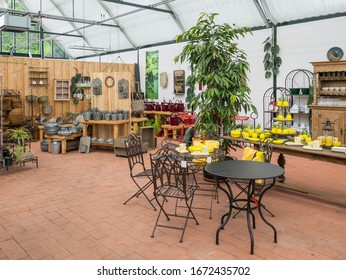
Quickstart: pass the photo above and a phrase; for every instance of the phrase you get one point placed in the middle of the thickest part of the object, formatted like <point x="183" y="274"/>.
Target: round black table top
<point x="244" y="169"/>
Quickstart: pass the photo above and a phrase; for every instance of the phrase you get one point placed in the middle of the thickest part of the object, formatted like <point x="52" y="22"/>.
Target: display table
<point x="120" y="128"/>
<point x="63" y="140"/>
<point x="135" y="121"/>
<point x="325" y="155"/>
<point x="175" y="128"/>
<point x="249" y="171"/>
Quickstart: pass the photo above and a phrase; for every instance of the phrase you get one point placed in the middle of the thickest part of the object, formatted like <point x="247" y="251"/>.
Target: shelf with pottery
<point x="38" y="76"/>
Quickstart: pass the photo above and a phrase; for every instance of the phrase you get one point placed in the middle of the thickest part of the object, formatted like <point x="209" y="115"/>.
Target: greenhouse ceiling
<point x="85" y="28"/>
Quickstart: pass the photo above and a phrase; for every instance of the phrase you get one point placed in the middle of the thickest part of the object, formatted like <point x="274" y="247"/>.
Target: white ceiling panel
<point x="117" y="25"/>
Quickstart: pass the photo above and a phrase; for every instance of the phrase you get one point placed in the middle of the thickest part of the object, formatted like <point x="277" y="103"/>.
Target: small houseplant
<point x="19" y="136"/>
<point x="218" y="63"/>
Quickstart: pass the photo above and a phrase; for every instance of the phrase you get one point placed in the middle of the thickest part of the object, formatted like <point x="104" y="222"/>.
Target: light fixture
<point x="87" y="48"/>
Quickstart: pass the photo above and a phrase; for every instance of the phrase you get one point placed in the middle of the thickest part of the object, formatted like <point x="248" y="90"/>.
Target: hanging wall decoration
<point x="97" y="86"/>
<point x="152" y="75"/>
<point x="109" y="81"/>
<point x="123" y="89"/>
<point x="163" y="79"/>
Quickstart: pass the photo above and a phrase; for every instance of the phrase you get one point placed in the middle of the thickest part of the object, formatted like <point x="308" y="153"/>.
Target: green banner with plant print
<point x="152" y="75"/>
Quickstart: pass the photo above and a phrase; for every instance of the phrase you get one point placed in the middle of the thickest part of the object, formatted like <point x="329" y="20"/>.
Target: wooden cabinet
<point x="61" y="90"/>
<point x="329" y="97"/>
<point x="338" y="117"/>
<point x="179" y="81"/>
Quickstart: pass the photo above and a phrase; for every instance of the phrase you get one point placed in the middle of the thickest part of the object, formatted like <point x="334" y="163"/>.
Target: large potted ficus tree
<point x="221" y="66"/>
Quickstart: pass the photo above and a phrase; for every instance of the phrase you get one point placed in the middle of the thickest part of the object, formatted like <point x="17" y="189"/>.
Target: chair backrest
<point x="133" y="147"/>
<point x="170" y="141"/>
<point x="169" y="174"/>
<point x="167" y="149"/>
<point x="267" y="148"/>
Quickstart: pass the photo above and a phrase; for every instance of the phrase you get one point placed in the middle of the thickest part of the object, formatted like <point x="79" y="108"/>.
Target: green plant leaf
<point x="268" y="74"/>
<point x="267" y="46"/>
<point x="275" y="49"/>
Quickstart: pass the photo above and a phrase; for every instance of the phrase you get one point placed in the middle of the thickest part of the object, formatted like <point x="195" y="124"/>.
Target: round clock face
<point x="335" y="54"/>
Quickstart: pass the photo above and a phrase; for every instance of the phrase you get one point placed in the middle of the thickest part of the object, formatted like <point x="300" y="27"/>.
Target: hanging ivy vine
<point x="76" y="93"/>
<point x="272" y="61"/>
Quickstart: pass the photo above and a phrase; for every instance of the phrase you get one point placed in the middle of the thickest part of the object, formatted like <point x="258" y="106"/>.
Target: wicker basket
<point x="16" y="103"/>
<point x="137" y="106"/>
<point x="17" y="116"/>
<point x="6" y="103"/>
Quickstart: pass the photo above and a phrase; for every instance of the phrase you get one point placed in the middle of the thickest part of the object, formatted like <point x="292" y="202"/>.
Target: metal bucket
<point x="47" y="109"/>
<point x="55" y="148"/>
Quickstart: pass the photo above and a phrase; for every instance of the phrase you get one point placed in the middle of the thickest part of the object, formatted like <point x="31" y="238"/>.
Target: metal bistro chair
<point x="171" y="180"/>
<point x="266" y="151"/>
<point x="141" y="176"/>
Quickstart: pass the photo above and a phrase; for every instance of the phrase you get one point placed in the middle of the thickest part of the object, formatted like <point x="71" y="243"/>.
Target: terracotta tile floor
<point x="71" y="207"/>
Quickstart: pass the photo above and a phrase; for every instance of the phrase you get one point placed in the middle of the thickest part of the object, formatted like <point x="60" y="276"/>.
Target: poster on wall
<point x="152" y="75"/>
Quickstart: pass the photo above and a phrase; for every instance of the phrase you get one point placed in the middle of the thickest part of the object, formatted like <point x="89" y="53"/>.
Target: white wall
<point x="299" y="44"/>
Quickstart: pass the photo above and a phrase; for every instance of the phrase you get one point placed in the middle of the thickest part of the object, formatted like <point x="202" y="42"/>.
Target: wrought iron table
<point x="249" y="171"/>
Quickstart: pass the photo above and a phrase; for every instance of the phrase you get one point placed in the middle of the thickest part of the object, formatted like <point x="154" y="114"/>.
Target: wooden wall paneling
<point x="15" y="73"/>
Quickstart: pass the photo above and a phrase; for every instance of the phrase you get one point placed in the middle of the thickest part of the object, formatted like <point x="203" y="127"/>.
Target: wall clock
<point x="335" y="54"/>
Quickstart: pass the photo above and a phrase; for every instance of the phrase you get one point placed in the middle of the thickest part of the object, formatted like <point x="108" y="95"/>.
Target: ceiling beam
<point x="268" y="14"/>
<point x="262" y="13"/>
<point x="175" y="17"/>
<point x="109" y="12"/>
<point x="149" y="7"/>
<point x="71" y="23"/>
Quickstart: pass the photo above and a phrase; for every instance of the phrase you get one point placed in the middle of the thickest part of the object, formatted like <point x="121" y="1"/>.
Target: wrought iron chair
<point x="172" y="180"/>
<point x="266" y="151"/>
<point x="141" y="176"/>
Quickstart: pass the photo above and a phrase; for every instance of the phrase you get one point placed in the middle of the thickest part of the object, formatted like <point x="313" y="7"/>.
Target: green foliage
<point x="74" y="89"/>
<point x="217" y="62"/>
<point x="152" y="74"/>
<point x="19" y="135"/>
<point x="190" y="94"/>
<point x="155" y="124"/>
<point x="271" y="61"/>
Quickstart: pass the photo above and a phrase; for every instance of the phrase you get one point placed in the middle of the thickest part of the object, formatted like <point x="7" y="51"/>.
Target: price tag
<point x="209" y="159"/>
<point x="183" y="164"/>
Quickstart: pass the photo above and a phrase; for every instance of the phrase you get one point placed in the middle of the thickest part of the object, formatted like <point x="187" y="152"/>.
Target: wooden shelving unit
<point x="61" y="90"/>
<point x="38" y="76"/>
<point x="329" y="97"/>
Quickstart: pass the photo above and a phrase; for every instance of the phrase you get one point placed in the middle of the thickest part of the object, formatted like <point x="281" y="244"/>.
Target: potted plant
<point x="19" y="136"/>
<point x="218" y="63"/>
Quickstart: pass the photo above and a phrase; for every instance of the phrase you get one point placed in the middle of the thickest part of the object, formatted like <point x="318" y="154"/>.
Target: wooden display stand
<point x="175" y="128"/>
<point x="329" y="97"/>
<point x="119" y="128"/>
<point x="113" y="97"/>
<point x="63" y="140"/>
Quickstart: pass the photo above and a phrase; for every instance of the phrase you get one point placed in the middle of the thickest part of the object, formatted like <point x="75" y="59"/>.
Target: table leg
<point x="174" y="133"/>
<point x="115" y="131"/>
<point x="260" y="209"/>
<point x="85" y="129"/>
<point x="94" y="130"/>
<point x="281" y="163"/>
<point x="229" y="195"/>
<point x="41" y="134"/>
<point x="250" y="192"/>
<point x="165" y="132"/>
<point x="49" y="141"/>
<point x="63" y="146"/>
